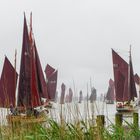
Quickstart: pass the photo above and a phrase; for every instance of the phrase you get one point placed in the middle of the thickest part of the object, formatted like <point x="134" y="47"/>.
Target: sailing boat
<point x="124" y="83"/>
<point x="62" y="97"/>
<point x="70" y="95"/>
<point x="51" y="76"/>
<point x="110" y="93"/>
<point x="93" y="95"/>
<point x="31" y="87"/>
<point x="80" y="96"/>
<point x="51" y="83"/>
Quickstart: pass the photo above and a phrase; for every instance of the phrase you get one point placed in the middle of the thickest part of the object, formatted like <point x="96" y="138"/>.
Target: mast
<point x="129" y="91"/>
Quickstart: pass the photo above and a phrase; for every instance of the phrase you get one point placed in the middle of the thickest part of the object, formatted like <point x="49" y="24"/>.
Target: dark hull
<point x="127" y="109"/>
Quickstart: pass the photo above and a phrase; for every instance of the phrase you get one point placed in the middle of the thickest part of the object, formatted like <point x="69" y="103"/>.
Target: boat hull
<point x="25" y="119"/>
<point x="109" y="102"/>
<point x="127" y="109"/>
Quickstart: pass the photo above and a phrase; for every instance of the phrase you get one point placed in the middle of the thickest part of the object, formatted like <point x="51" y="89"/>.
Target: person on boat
<point x="30" y="111"/>
<point x="14" y="111"/>
<point x="11" y="109"/>
<point x="119" y="105"/>
<point x="36" y="113"/>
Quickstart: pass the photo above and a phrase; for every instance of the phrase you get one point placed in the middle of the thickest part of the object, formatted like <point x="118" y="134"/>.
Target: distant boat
<point x="80" y="96"/>
<point x="124" y="83"/>
<point x="67" y="98"/>
<point x="51" y="76"/>
<point x="70" y="95"/>
<point x="110" y="97"/>
<point x="102" y="97"/>
<point x="93" y="95"/>
<point x="62" y="96"/>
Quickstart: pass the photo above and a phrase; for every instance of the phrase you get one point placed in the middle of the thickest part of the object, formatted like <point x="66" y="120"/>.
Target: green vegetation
<point x="51" y="130"/>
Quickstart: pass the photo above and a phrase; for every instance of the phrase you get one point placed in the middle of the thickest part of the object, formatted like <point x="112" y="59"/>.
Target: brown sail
<point x="8" y="84"/>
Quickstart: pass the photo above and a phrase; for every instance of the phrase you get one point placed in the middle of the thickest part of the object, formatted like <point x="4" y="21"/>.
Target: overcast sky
<point x="74" y="36"/>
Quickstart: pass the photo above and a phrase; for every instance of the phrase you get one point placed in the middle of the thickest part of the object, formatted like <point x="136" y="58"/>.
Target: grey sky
<point x="74" y="36"/>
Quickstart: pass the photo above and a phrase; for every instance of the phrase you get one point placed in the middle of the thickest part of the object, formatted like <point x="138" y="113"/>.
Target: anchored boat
<point x="124" y="83"/>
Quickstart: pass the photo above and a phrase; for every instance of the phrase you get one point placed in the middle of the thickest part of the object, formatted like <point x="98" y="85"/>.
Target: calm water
<point x="75" y="111"/>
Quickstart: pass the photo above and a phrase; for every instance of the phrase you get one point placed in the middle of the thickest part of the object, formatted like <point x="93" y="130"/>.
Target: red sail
<point x="28" y="94"/>
<point x="136" y="79"/>
<point x="63" y="88"/>
<point x="51" y="86"/>
<point x="24" y="88"/>
<point x="110" y="92"/>
<point x="40" y="76"/>
<point x="51" y="76"/>
<point x="35" y="98"/>
<point x="120" y="77"/>
<point x="8" y="84"/>
<point x="49" y="70"/>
